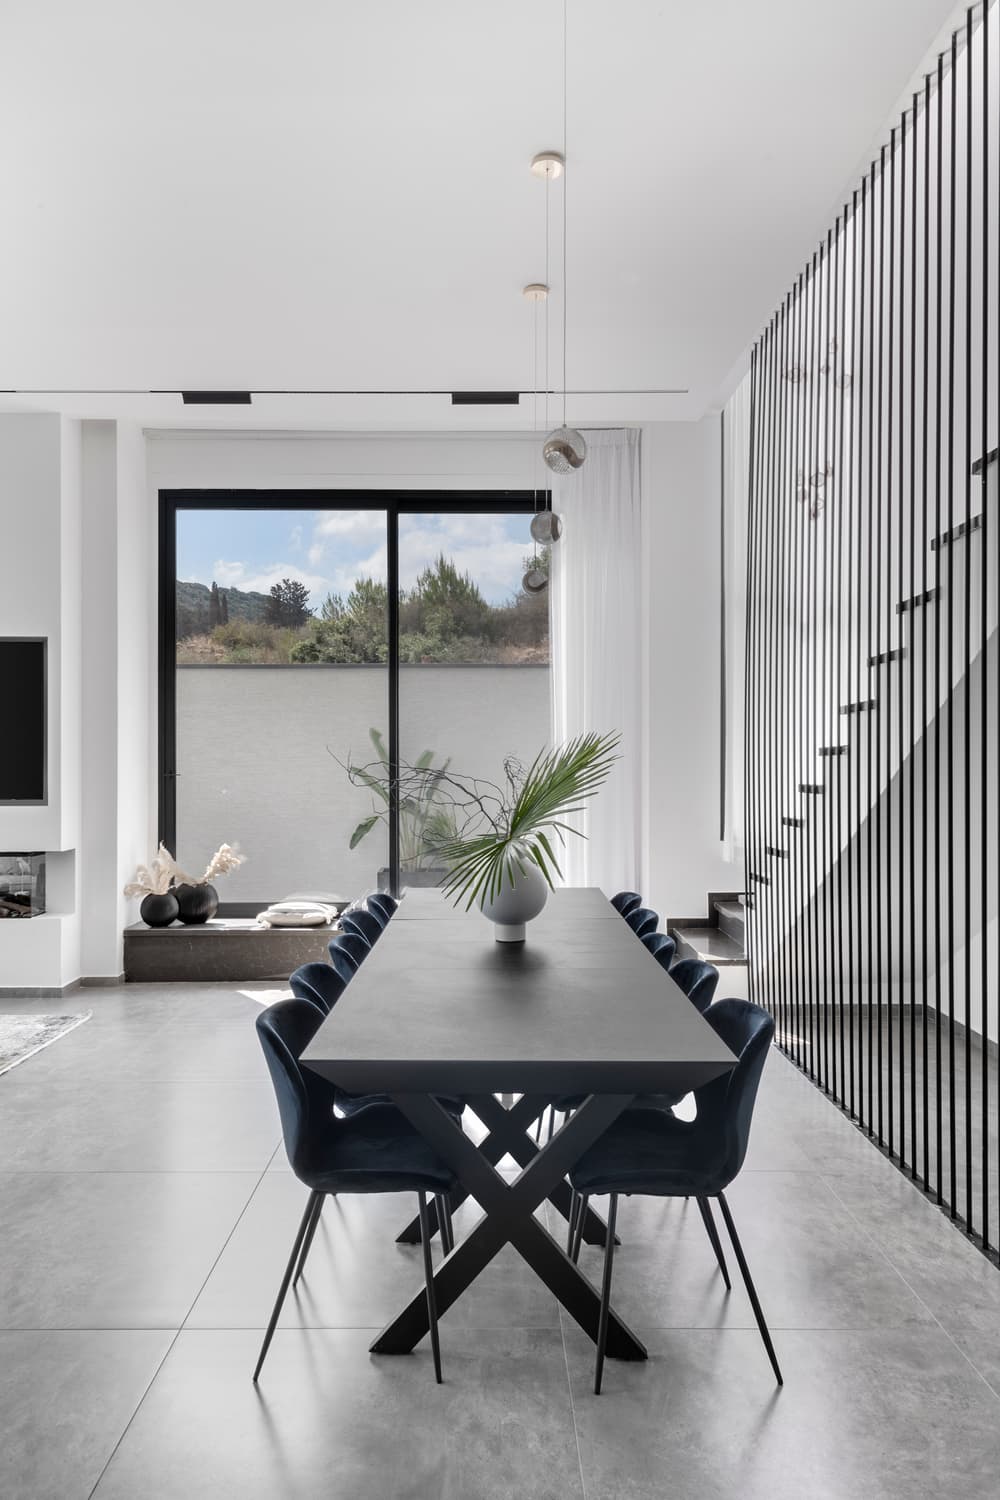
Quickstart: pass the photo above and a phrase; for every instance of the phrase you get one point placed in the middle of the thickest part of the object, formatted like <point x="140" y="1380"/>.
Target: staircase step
<point x="710" y="944"/>
<point x="833" y="749"/>
<point x="956" y="533"/>
<point x="884" y="657"/>
<point x="927" y="597"/>
<point x="760" y="879"/>
<point x="858" y="708"/>
<point x="731" y="916"/>
<point x="774" y="852"/>
<point x="794" y="822"/>
<point x="984" y="463"/>
<point x="812" y="788"/>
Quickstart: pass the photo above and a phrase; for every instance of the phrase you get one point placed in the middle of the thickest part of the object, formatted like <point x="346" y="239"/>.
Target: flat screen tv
<point x="22" y="716"/>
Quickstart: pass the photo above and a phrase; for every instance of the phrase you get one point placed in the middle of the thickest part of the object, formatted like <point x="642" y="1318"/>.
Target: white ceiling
<point x="323" y="195"/>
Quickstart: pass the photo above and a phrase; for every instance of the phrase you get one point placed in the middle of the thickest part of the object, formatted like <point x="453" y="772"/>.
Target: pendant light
<point x="536" y="580"/>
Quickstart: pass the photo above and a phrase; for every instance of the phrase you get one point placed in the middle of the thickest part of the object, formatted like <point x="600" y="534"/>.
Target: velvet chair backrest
<point x="285" y="1030"/>
<point x="363" y="925"/>
<point x="661" y="947"/>
<point x="319" y="983"/>
<point x="347" y="953"/>
<point x="643" y="921"/>
<point x="382" y="906"/>
<point x="626" y="901"/>
<point x="698" y="980"/>
<point x="725" y="1106"/>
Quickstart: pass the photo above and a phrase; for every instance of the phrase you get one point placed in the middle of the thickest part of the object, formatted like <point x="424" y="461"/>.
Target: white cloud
<point x="295" y="540"/>
<point x="236" y="575"/>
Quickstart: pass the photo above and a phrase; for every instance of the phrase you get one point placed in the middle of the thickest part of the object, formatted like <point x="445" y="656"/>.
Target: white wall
<point x="40" y="595"/>
<point x="681" y="500"/>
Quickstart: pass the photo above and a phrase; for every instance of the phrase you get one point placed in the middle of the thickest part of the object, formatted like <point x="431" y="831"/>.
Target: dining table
<point x="580" y="1008"/>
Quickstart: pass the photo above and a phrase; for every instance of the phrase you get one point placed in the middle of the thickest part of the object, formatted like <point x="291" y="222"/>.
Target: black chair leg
<point x="444" y="1223"/>
<point x="574" y="1208"/>
<point x="299" y="1237"/>
<point x="425" y="1240"/>
<point x="708" y="1219"/>
<point x="583" y="1203"/>
<point x="751" y="1290"/>
<point x="307" y="1242"/>
<point x="609" y="1260"/>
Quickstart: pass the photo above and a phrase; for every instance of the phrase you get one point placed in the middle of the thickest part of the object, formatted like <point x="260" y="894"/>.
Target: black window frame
<point x="395" y="503"/>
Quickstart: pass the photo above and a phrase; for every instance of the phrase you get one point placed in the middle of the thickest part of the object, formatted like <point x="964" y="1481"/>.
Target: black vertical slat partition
<point x="873" y="659"/>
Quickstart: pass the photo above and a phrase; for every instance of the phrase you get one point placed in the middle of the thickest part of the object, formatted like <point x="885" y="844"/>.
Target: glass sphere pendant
<point x="564" y="450"/>
<point x="546" y="527"/>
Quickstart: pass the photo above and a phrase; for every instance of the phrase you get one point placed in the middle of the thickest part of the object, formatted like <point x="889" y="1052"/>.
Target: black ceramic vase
<point x="159" y="911"/>
<point x="196" y="902"/>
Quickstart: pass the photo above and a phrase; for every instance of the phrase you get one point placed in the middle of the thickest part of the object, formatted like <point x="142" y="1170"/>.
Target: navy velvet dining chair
<point x="319" y="983"/>
<point x="699" y="981"/>
<point x="362" y="924"/>
<point x="662" y="947"/>
<point x="626" y="901"/>
<point x="347" y="953"/>
<point x="382" y="906"/>
<point x="643" y="921"/>
<point x="653" y="1153"/>
<point x="377" y="1151"/>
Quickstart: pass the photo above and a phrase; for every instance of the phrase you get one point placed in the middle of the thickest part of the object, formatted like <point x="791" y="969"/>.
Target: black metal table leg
<point x="508" y="1218"/>
<point x="509" y="1136"/>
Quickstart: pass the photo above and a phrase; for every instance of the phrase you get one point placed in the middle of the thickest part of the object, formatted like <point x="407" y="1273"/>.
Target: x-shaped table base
<point x="509" y="1216"/>
<point x="508" y="1136"/>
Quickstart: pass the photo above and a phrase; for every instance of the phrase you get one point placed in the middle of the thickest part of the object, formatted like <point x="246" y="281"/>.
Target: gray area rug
<point x="23" y="1036"/>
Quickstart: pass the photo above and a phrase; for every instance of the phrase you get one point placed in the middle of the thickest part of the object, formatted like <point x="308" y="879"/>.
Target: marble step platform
<point x="225" y="948"/>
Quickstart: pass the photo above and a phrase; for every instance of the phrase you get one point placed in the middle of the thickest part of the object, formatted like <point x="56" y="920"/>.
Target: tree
<point x="214" y="607"/>
<point x="351" y="631"/>
<point x="223" y="607"/>
<point x="288" y="604"/>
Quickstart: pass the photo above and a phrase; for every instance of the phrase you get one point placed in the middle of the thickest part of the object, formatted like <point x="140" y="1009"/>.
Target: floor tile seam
<point x="149" y="1385"/>
<point x="914" y="1293"/>
<point x="572" y="1406"/>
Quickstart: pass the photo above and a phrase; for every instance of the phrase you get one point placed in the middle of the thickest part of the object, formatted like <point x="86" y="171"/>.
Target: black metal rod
<point x="894" y="675"/>
<point x="938" y="447"/>
<point x="815" y="812"/>
<point x="833" y="709"/>
<point x="950" y="798"/>
<point x="967" y="612"/>
<point x="927" y="554"/>
<point x="906" y="664"/>
<point x="984" y="718"/>
<point x="874" y="560"/>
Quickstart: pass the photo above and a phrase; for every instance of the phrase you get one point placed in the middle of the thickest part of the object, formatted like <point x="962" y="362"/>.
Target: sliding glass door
<point x="318" y="654"/>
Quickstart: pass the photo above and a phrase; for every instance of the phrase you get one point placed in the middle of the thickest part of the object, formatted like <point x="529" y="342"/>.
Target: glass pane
<point x="474" y="673"/>
<point x="281" y="682"/>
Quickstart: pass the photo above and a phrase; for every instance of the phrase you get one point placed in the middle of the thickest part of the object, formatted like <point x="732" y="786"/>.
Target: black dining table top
<point x="581" y="1006"/>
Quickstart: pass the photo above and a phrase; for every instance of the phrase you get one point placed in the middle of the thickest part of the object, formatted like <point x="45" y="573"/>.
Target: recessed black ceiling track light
<point x="485" y="398"/>
<point x="215" y="398"/>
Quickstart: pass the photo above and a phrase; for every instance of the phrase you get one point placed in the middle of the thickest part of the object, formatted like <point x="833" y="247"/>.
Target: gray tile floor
<point x="147" y="1212"/>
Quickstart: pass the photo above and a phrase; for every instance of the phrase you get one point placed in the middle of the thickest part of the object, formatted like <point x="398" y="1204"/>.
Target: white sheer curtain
<point x="597" y="649"/>
<point x="736" y="490"/>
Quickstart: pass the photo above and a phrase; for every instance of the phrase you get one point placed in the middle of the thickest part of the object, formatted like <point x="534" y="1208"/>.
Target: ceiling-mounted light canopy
<point x="548" y="164"/>
<point x="535" y="291"/>
<point x="564" y="450"/>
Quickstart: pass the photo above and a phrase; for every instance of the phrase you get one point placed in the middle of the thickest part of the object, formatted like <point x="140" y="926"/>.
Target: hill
<point x="193" y="614"/>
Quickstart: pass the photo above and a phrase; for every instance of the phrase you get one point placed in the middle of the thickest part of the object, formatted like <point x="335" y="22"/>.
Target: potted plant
<point x="426" y="812"/>
<point x="153" y="884"/>
<point x="197" y="898"/>
<point x="503" y="860"/>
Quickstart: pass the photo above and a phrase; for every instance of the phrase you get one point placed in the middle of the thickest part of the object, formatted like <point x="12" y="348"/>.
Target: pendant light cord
<point x="565" y="190"/>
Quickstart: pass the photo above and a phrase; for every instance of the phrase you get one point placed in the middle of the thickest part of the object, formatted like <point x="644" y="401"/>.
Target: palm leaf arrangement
<point x="525" y="823"/>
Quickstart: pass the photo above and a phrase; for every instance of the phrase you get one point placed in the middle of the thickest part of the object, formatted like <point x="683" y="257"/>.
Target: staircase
<point x="719" y="938"/>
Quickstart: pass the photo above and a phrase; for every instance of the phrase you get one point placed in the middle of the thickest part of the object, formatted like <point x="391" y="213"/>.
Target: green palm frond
<point x="556" y="786"/>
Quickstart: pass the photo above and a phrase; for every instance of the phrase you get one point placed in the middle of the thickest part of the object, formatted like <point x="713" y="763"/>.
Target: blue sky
<point x="328" y="550"/>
